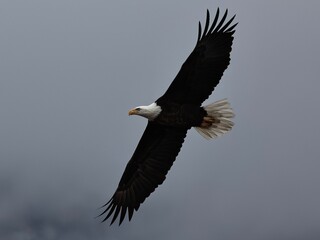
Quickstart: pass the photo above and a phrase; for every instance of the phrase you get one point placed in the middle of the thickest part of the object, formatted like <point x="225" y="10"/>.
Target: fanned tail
<point x="218" y="120"/>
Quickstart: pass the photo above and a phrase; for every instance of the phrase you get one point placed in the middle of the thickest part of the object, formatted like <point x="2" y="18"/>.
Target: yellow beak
<point x="132" y="112"/>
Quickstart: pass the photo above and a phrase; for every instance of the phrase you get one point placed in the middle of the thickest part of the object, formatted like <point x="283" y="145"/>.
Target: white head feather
<point x="150" y="112"/>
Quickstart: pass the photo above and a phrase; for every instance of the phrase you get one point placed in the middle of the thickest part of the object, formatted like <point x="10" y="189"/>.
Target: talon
<point x="210" y="120"/>
<point x="205" y="124"/>
<point x="207" y="119"/>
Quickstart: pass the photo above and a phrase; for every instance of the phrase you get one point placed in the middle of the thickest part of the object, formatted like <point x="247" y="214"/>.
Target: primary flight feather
<point x="173" y="114"/>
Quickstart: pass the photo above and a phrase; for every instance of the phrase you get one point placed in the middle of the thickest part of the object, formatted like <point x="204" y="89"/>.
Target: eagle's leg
<point x="217" y="121"/>
<point x="207" y="121"/>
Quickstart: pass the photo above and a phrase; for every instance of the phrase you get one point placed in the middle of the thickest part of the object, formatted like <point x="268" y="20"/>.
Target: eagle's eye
<point x="138" y="109"/>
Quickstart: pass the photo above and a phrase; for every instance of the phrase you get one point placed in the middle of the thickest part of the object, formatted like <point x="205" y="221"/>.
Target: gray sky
<point x="69" y="72"/>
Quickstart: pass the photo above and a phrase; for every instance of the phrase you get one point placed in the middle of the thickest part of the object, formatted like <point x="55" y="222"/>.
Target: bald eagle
<point x="173" y="114"/>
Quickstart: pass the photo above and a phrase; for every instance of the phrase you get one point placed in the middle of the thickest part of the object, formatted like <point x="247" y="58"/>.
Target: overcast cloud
<point x="69" y="72"/>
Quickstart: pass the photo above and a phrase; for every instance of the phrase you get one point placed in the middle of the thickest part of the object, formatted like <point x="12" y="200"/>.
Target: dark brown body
<point x="177" y="115"/>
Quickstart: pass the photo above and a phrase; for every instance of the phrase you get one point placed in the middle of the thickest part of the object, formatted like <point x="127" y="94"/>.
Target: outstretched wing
<point x="202" y="70"/>
<point x="146" y="170"/>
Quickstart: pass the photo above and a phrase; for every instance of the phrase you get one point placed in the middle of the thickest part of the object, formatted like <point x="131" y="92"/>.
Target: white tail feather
<point x="222" y="112"/>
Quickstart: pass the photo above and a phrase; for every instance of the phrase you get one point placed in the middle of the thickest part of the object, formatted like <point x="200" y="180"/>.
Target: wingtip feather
<point x="216" y="26"/>
<point x="206" y="24"/>
<point x="199" y="31"/>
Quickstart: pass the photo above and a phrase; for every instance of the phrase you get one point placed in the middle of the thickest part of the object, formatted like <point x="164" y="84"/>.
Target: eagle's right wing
<point x="146" y="170"/>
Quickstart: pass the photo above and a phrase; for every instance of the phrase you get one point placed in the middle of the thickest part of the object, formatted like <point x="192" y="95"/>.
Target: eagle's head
<point x="150" y="112"/>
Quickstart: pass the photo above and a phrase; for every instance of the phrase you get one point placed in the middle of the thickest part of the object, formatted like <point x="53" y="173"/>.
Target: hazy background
<point x="70" y="71"/>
